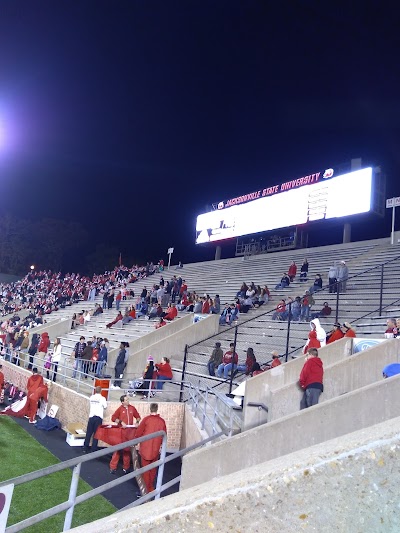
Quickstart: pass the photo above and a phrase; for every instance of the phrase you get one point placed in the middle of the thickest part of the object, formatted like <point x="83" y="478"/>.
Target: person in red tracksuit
<point x="311" y="379"/>
<point x="125" y="415"/>
<point x="150" y="449"/>
<point x="36" y="390"/>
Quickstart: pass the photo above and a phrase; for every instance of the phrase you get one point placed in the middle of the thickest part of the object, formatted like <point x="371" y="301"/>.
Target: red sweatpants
<point x="31" y="408"/>
<point x="149" y="477"/>
<point x="126" y="460"/>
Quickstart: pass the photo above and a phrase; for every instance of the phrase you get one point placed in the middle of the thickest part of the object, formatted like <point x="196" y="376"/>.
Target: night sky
<point x="132" y="117"/>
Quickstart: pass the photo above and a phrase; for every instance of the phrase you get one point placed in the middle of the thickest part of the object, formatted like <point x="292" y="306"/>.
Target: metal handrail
<point x="74" y="500"/>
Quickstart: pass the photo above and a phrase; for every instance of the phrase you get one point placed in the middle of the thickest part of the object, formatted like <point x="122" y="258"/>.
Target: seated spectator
<point x="132" y="312"/>
<point x="245" y="305"/>
<point x="247" y="368"/>
<point x="391" y="330"/>
<point x="317" y="285"/>
<point x="296" y="308"/>
<point x="171" y="313"/>
<point x="280" y="311"/>
<point x="183" y="304"/>
<point x="198" y="305"/>
<point x="164" y="372"/>
<point x="292" y="271"/>
<point x="334" y="335"/>
<point x="348" y="330"/>
<point x="229" y="362"/>
<point x="118" y="318"/>
<point x="143" y="308"/>
<point x="149" y="375"/>
<point x="391" y="370"/>
<point x="153" y="312"/>
<point x="225" y="315"/>
<point x="275" y="359"/>
<point x="257" y="369"/>
<point x="285" y="282"/>
<point x="97" y="310"/>
<point x="215" y="359"/>
<point x="242" y="292"/>
<point x="126" y="318"/>
<point x="325" y="311"/>
<point x="263" y="298"/>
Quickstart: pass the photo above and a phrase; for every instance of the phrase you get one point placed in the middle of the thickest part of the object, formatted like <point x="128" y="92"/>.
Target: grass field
<point x="20" y="454"/>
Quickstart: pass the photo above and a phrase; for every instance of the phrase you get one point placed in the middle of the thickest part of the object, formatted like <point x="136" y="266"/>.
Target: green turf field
<point x="20" y="454"/>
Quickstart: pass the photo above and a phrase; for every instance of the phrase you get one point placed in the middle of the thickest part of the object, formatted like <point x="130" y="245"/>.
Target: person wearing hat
<point x="343" y="274"/>
<point x="215" y="359"/>
<point x="348" y="330"/>
<point x="275" y="359"/>
<point x="336" y="334"/>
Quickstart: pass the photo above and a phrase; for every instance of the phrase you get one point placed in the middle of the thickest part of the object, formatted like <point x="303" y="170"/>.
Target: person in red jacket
<point x="292" y="271"/>
<point x="164" y="372"/>
<point x="36" y="391"/>
<point x="125" y="415"/>
<point x="336" y="334"/>
<point x="312" y="342"/>
<point x="311" y="379"/>
<point x="43" y="346"/>
<point x="171" y="313"/>
<point x="348" y="330"/>
<point x="150" y="449"/>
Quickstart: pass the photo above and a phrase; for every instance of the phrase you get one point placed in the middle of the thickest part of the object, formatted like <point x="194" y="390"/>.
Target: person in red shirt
<point x="164" y="372"/>
<point x="161" y="323"/>
<point x="125" y="415"/>
<point x="311" y="379"/>
<point x="206" y="306"/>
<point x="150" y="449"/>
<point x="336" y="334"/>
<point x="275" y="359"/>
<point x="229" y="362"/>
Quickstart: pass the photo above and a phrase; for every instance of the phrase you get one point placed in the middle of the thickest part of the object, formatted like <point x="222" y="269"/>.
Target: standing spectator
<point x="33" y="349"/>
<point x="150" y="449"/>
<point x="97" y="404"/>
<point x="292" y="271"/>
<point x="24" y="348"/>
<point x="87" y="355"/>
<point x="164" y="372"/>
<point x="306" y="302"/>
<point x="56" y="357"/>
<point x="118" y="299"/>
<point x="215" y="359"/>
<point x="77" y="353"/>
<point x="296" y="308"/>
<point x="119" y="366"/>
<point x="304" y="270"/>
<point x="332" y="278"/>
<point x="124" y="416"/>
<point x="321" y="334"/>
<point x="103" y="356"/>
<point x="229" y="362"/>
<point x="43" y="346"/>
<point x="343" y="274"/>
<point x="311" y="379"/>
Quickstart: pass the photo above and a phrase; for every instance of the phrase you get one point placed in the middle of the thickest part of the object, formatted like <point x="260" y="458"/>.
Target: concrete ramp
<point x="349" y="484"/>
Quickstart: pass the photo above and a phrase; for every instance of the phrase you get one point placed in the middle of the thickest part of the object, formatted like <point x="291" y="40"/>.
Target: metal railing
<point x="375" y="285"/>
<point x="73" y="499"/>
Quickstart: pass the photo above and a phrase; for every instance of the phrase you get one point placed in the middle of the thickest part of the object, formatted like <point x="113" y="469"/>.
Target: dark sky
<point x="132" y="116"/>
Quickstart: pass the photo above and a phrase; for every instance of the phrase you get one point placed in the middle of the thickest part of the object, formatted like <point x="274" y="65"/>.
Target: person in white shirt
<point x="56" y="358"/>
<point x="96" y="413"/>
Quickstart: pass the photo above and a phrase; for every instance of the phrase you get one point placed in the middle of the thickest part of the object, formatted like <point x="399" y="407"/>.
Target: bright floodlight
<point x="32" y="267"/>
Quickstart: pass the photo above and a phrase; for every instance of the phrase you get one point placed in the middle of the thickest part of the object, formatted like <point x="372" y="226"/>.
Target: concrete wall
<point x="74" y="407"/>
<point x="57" y="328"/>
<point x="330" y="419"/>
<point x="191" y="430"/>
<point x="261" y="387"/>
<point x="170" y="344"/>
<point x="348" y="484"/>
<point x="345" y="376"/>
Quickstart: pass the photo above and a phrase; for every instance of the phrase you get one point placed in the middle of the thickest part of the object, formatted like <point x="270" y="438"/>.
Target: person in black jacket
<point x="119" y="366"/>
